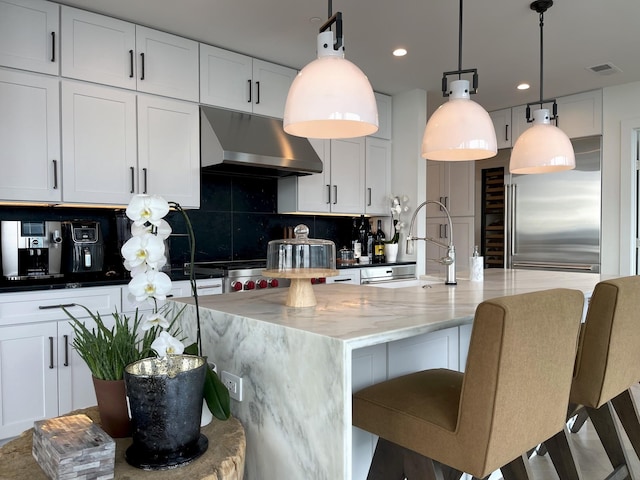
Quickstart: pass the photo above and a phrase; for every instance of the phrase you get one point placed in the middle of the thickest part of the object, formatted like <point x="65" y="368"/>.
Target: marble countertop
<point x="368" y="315"/>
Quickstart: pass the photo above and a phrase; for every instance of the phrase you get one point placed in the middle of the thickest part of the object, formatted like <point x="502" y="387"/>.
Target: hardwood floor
<point x="590" y="455"/>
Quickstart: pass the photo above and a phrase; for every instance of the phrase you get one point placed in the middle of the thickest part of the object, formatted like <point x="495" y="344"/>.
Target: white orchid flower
<point x="162" y="230"/>
<point x="147" y="248"/>
<point x="165" y="345"/>
<point x="150" y="284"/>
<point x="147" y="208"/>
<point x="152" y="320"/>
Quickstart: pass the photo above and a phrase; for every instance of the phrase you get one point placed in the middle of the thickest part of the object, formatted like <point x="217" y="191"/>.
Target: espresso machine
<point x="83" y="246"/>
<point x="31" y="249"/>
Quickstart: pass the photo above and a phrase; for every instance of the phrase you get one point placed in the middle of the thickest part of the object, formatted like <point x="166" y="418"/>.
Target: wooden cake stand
<point x="300" y="292"/>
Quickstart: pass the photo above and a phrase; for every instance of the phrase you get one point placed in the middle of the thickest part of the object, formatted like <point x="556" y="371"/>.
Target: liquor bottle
<point x="378" y="246"/>
<point x="362" y="235"/>
<point x="356" y="246"/>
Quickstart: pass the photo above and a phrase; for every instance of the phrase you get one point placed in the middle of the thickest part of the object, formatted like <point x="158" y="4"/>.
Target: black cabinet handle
<point x="506" y="133"/>
<point x="50" y="352"/>
<point x="257" y="93"/>
<point x="335" y="194"/>
<point x="66" y="350"/>
<point x="337" y="280"/>
<point x="142" y="65"/>
<point x="328" y="193"/>
<point x="249" y="82"/>
<point x="59" y="305"/>
<point x="133" y="180"/>
<point x="55" y="174"/>
<point x="369" y="194"/>
<point x="144" y="176"/>
<point x="53" y="46"/>
<point x="130" y="63"/>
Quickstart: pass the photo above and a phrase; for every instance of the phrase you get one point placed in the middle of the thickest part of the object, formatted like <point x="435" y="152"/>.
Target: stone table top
<point x="223" y="460"/>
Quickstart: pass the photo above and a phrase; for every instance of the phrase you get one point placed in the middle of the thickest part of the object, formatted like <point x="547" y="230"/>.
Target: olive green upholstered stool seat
<point x="607" y="365"/>
<point x="512" y="396"/>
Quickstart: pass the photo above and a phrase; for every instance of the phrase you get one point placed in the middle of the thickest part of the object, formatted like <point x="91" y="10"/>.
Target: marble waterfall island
<point x="296" y="363"/>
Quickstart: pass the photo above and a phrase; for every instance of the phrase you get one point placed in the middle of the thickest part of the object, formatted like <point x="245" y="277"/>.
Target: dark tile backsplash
<point x="236" y="220"/>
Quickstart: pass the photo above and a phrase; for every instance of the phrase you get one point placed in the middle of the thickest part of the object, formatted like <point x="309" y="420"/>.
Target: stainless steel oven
<point x="239" y="275"/>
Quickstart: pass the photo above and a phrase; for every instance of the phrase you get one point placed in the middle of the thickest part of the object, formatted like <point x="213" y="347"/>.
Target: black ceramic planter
<point x="165" y="399"/>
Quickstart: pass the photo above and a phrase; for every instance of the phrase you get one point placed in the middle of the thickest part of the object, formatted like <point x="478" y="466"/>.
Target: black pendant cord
<point x="460" y="43"/>
<point x="541" y="55"/>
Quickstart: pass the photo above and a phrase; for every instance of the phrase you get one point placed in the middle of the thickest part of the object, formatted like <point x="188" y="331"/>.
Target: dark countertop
<point x="83" y="280"/>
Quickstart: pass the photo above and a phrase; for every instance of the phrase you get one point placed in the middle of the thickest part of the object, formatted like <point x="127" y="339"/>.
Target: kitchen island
<point x="300" y="366"/>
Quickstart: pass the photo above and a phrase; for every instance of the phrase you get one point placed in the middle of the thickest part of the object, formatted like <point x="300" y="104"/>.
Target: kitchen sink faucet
<point x="450" y="259"/>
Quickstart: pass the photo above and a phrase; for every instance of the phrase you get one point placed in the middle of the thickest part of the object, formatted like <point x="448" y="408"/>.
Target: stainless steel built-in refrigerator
<point x="552" y="221"/>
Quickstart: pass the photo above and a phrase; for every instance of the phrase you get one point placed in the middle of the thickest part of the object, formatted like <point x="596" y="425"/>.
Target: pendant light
<point x="459" y="129"/>
<point x="542" y="148"/>
<point x="331" y="97"/>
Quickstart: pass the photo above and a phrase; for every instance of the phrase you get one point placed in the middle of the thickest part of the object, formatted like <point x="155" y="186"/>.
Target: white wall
<point x="621" y="114"/>
<point x="408" y="176"/>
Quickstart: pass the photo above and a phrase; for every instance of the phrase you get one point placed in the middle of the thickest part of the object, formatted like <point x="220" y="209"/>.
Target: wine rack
<point x="493" y="215"/>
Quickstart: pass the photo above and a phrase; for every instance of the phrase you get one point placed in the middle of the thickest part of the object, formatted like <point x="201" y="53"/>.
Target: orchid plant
<point x="107" y="351"/>
<point x="399" y="205"/>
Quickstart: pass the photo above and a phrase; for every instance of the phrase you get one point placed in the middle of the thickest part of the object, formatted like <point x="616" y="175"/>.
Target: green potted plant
<point x="107" y="351"/>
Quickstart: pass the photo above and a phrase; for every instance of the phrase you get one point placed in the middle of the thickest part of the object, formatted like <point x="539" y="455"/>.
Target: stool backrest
<point x="518" y="375"/>
<point x="608" y="360"/>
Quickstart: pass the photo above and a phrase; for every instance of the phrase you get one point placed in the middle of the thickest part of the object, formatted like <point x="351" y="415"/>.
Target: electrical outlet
<point x="233" y="384"/>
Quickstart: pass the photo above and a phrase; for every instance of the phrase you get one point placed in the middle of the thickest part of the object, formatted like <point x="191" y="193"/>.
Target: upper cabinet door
<point x="98" y="144"/>
<point x="169" y="149"/>
<point x="271" y="87"/>
<point x="30" y="137"/>
<point x="97" y="48"/>
<point x="225" y="79"/>
<point x="378" y="176"/>
<point x="502" y="125"/>
<point x="580" y="115"/>
<point x="384" y="103"/>
<point x="29" y="35"/>
<point x="347" y="175"/>
<point x="167" y="64"/>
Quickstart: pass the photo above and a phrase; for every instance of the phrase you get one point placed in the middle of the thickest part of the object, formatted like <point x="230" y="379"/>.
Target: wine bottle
<point x="356" y="246"/>
<point x="378" y="255"/>
<point x="362" y="235"/>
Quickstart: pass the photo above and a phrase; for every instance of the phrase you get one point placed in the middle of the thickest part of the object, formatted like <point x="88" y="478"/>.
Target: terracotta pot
<point x="112" y="405"/>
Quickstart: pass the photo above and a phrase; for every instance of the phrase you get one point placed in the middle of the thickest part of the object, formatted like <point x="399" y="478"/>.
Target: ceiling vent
<point x="605" y="69"/>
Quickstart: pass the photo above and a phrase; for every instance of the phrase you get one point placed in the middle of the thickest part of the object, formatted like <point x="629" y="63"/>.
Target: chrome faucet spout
<point x="450" y="259"/>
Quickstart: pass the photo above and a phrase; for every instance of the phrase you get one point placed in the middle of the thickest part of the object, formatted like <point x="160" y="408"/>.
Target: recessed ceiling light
<point x="399" y="52"/>
<point x="315" y="20"/>
<point x="523" y="86"/>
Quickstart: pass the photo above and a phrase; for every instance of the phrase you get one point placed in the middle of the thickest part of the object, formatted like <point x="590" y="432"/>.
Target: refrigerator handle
<point x="514" y="196"/>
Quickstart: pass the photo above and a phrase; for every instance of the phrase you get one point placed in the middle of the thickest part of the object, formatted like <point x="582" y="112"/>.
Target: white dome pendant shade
<point x="542" y="148"/>
<point x="459" y="129"/>
<point x="330" y="97"/>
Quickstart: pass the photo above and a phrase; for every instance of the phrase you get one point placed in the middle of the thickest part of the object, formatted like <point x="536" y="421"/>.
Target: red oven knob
<point x="314" y="281"/>
<point x="322" y="280"/>
<point x="249" y="285"/>
<point x="273" y="283"/>
<point x="236" y="286"/>
<point x="262" y="283"/>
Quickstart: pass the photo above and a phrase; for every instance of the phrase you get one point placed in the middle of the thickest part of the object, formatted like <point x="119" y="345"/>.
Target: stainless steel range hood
<point x="242" y="143"/>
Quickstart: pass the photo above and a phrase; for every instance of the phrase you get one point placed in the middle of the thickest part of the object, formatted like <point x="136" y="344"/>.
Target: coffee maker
<point x="83" y="246"/>
<point x="30" y="249"/>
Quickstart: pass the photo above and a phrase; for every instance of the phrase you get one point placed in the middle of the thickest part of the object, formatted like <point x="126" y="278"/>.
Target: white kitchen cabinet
<point x="349" y="275"/>
<point x="463" y="238"/>
<point x="111" y="152"/>
<point x="452" y="184"/>
<point x="101" y="49"/>
<point x="502" y="125"/>
<point x="182" y="288"/>
<point x="377" y="176"/>
<point x="98" y="144"/>
<point x="368" y="367"/>
<point x="30" y="137"/>
<point x="30" y="35"/>
<point x="340" y="188"/>
<point x="239" y="82"/>
<point x="169" y="149"/>
<point x="437" y="349"/>
<point x="35" y="337"/>
<point x="385" y="112"/>
<point x="579" y="115"/>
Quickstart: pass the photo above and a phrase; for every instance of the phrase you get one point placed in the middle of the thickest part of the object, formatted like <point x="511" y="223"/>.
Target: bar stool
<point x="607" y="365"/>
<point x="512" y="396"/>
